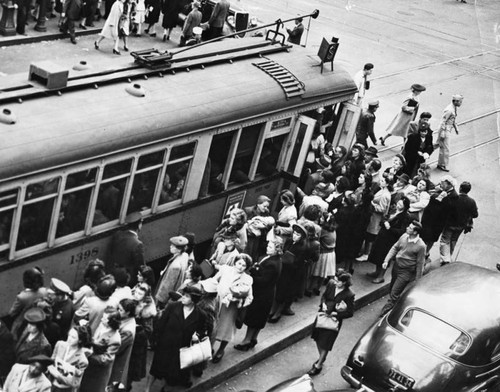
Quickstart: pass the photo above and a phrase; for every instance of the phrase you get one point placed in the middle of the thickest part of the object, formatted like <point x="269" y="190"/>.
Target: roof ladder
<point x="289" y="83"/>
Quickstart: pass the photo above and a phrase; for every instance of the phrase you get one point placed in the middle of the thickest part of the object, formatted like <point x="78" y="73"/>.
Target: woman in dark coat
<point x="294" y="258"/>
<point x="153" y="8"/>
<point x="391" y="229"/>
<point x="346" y="230"/>
<point x="170" y="9"/>
<point x="418" y="148"/>
<point x="265" y="275"/>
<point x="354" y="165"/>
<point x="337" y="301"/>
<point x="175" y="329"/>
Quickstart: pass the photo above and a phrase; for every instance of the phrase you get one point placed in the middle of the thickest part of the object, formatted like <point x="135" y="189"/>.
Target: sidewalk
<point x="52" y="32"/>
<point x="275" y="337"/>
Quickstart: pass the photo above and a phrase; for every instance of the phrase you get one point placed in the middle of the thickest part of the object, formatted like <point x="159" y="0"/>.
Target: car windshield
<point x="433" y="332"/>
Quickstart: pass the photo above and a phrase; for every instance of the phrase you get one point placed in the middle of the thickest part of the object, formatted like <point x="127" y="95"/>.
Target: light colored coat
<point x="381" y="202"/>
<point x="122" y="358"/>
<point x="17" y="381"/>
<point x="72" y="375"/>
<point x="172" y="276"/>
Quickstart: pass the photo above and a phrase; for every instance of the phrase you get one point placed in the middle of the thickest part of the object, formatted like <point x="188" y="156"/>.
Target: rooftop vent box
<point x="49" y="74"/>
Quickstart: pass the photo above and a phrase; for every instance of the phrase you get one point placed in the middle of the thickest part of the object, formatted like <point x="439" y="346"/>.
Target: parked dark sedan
<point x="443" y="335"/>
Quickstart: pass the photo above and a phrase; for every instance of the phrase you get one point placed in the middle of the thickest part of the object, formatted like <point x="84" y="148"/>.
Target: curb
<point x="279" y="345"/>
<point x="21" y="40"/>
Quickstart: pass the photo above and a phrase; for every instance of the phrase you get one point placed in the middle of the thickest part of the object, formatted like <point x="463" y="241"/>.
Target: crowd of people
<point x="347" y="208"/>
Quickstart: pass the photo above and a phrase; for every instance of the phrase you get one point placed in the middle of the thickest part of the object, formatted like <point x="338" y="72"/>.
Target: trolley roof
<point x="86" y="123"/>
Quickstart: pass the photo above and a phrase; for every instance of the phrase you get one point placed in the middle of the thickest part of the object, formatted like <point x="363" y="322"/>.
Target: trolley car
<point x="180" y="141"/>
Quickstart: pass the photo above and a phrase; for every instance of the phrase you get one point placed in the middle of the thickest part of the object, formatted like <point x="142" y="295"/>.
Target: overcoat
<point x="71" y="377"/>
<point x="26" y="349"/>
<point x="265" y="275"/>
<point x="172" y="276"/>
<point x="22" y="303"/>
<point x="110" y="28"/>
<point x="122" y="357"/>
<point x="381" y="202"/>
<point x="326" y="338"/>
<point x="386" y="238"/>
<point x="14" y="381"/>
<point x="293" y="265"/>
<point x="435" y="216"/>
<point x="170" y="9"/>
<point x="401" y="123"/>
<point x="171" y="333"/>
<point x="413" y="146"/>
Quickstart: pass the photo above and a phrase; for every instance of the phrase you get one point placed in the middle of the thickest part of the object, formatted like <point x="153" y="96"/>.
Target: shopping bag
<point x="196" y="353"/>
<point x="326" y="321"/>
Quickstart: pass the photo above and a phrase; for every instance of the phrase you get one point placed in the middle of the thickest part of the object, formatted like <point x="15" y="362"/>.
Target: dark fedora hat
<point x="418" y="87"/>
<point x="41" y="359"/>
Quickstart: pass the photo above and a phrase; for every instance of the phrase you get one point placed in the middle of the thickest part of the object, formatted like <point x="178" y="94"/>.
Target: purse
<point x="325" y="321"/>
<point x="196" y="353"/>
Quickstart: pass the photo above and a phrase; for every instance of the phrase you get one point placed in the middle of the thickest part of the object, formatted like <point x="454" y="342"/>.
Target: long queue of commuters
<point x="346" y="208"/>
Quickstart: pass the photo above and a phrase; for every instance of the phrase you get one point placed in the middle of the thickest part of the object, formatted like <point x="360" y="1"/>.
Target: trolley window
<point x="218" y="161"/>
<point x="111" y="191"/>
<point x="75" y="202"/>
<point x="270" y="155"/>
<point x="245" y="153"/>
<point x="8" y="204"/>
<point x="37" y="212"/>
<point x="177" y="169"/>
<point x="145" y="180"/>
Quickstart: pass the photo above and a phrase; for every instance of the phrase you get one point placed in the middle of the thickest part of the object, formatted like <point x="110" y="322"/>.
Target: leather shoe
<point x="252" y="343"/>
<point x="372" y="274"/>
<point x="442" y="168"/>
<point x="273" y="320"/>
<point x="125" y="48"/>
<point x="378" y="280"/>
<point x="218" y="357"/>
<point x="96" y="46"/>
<point x="316" y="292"/>
<point x="314" y="371"/>
<point x="116" y="52"/>
<point x="82" y="26"/>
<point x="288" y="312"/>
<point x="242" y="347"/>
<point x="498" y="266"/>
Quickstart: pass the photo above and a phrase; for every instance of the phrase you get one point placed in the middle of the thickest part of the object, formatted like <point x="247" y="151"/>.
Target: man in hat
<point x="418" y="148"/>
<point x="217" y="19"/>
<point x="126" y="249"/>
<point x="370" y="154"/>
<point x="62" y="308"/>
<point x="362" y="82"/>
<point x="448" y="123"/>
<point x="423" y="121"/>
<point x="193" y="19"/>
<point x="400" y="125"/>
<point x="317" y="197"/>
<point x="409" y="255"/>
<point x="295" y="34"/>
<point x="174" y="273"/>
<point x="364" y="129"/>
<point x="29" y="378"/>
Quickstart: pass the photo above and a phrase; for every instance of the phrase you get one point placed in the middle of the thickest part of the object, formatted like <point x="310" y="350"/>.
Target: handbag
<point x="196" y="353"/>
<point x="326" y="321"/>
<point x="207" y="269"/>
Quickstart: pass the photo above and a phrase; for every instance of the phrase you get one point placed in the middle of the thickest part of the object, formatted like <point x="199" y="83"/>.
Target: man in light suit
<point x="218" y="18"/>
<point x="29" y="378"/>
<point x="127" y="250"/>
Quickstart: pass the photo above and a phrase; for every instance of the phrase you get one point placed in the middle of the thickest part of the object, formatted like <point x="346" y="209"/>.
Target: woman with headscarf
<point x="180" y="323"/>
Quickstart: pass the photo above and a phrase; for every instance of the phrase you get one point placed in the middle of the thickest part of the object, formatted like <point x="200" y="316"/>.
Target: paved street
<point x="297" y="359"/>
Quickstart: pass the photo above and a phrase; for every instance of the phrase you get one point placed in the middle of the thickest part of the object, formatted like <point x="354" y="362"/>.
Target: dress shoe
<point x="125" y="48"/>
<point x="378" y="280"/>
<point x="362" y="258"/>
<point x="82" y="26"/>
<point x="242" y="347"/>
<point x="288" y="312"/>
<point x="164" y="37"/>
<point x="444" y="263"/>
<point x="96" y="45"/>
<point x="443" y="168"/>
<point x="152" y="35"/>
<point x="316" y="292"/>
<point x="90" y="25"/>
<point x="73" y="41"/>
<point x="252" y="343"/>
<point x="372" y="274"/>
<point x="382" y="141"/>
<point x="116" y="52"/>
<point x="146" y="31"/>
<point x="218" y="357"/>
<point x="273" y="320"/>
<point x="314" y="371"/>
<point x="498" y="266"/>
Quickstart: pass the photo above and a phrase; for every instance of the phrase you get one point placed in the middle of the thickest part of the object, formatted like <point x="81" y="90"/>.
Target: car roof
<point x="460" y="294"/>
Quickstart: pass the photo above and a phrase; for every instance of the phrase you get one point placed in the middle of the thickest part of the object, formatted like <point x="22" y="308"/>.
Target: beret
<point x="179" y="241"/>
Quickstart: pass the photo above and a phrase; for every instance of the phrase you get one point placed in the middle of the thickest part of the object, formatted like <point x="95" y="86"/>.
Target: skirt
<point x="324" y="338"/>
<point x="326" y="265"/>
<point x="226" y="326"/>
